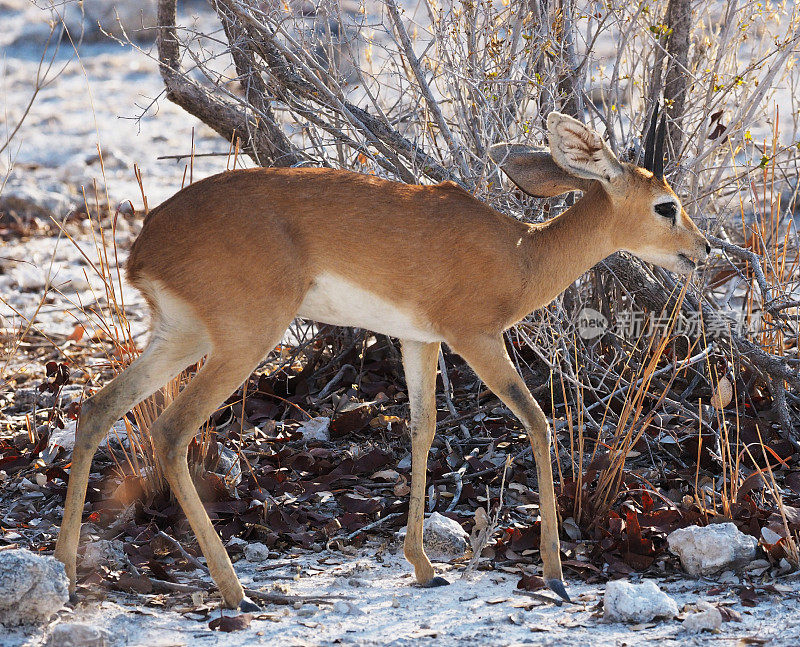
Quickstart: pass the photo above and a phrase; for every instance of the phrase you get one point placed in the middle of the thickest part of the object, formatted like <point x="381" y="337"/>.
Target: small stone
<point x="32" y="587"/>
<point x="758" y="565"/>
<point x="708" y="620"/>
<point x="229" y="467"/>
<point x="626" y="602"/>
<point x="74" y="634"/>
<point x="307" y="610"/>
<point x="347" y="608"/>
<point x="727" y="577"/>
<point x="317" y="429"/>
<point x="125" y="208"/>
<point x="443" y="538"/>
<point x="116" y="438"/>
<point x="63" y="437"/>
<point x="256" y="552"/>
<point x="710" y="549"/>
<point x="517" y="618"/>
<point x="103" y="552"/>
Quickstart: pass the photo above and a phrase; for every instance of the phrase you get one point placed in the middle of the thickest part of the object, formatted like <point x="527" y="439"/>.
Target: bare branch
<point x="433" y="105"/>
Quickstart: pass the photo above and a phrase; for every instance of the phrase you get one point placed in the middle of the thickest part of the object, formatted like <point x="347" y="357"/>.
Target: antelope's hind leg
<point x="419" y="362"/>
<point x="162" y="359"/>
<point x="230" y="362"/>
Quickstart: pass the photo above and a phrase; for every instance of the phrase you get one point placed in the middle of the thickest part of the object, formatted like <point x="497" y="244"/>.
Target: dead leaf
<point x="77" y="333"/>
<point x="748" y="596"/>
<point x="531" y="583"/>
<point x="231" y="623"/>
<point x="728" y="614"/>
<point x="139" y="584"/>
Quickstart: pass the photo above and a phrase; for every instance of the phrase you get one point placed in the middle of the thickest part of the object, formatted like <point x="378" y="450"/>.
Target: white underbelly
<point x="333" y="300"/>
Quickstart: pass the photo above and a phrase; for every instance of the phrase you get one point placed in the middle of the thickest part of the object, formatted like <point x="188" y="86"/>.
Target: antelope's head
<point x="645" y="216"/>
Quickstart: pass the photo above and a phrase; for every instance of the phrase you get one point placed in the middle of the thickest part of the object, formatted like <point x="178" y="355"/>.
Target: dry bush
<point x="418" y="93"/>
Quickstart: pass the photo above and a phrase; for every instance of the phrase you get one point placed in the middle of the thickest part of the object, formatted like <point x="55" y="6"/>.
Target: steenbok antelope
<point x="228" y="262"/>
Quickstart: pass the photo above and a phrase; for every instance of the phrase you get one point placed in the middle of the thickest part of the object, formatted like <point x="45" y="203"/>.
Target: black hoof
<point x="436" y="581"/>
<point x="557" y="587"/>
<point x="73" y="598"/>
<point x="248" y="606"/>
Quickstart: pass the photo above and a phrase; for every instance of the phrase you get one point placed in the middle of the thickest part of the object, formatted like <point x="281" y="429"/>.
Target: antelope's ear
<point x="579" y="150"/>
<point x="534" y="171"/>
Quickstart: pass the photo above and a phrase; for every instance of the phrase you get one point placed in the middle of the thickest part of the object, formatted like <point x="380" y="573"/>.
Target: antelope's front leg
<point x="419" y="362"/>
<point x="489" y="359"/>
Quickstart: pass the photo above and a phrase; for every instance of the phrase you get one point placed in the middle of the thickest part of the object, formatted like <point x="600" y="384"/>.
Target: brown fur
<point x="227" y="263"/>
<point x="289" y="225"/>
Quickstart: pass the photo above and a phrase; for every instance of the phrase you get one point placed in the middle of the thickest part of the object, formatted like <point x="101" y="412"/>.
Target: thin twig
<point x="187" y="556"/>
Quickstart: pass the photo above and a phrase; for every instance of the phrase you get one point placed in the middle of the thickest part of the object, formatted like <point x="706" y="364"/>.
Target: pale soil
<point x="388" y="610"/>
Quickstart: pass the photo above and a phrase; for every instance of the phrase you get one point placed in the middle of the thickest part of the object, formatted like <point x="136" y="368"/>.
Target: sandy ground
<point x="372" y="603"/>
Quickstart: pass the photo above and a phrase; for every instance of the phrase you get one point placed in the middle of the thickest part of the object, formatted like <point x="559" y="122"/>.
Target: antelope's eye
<point x="667" y="210"/>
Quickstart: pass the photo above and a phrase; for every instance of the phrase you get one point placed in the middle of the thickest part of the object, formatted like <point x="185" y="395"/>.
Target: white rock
<point x="116" y="438"/>
<point x="103" y="552"/>
<point x="256" y="552"/>
<point x="63" y="437"/>
<point x="708" y="620"/>
<point x="710" y="549"/>
<point x="345" y="608"/>
<point x="317" y="429"/>
<point x="443" y="538"/>
<point x="74" y="634"/>
<point x="626" y="602"/>
<point x="229" y="467"/>
<point x="307" y="610"/>
<point x="32" y="587"/>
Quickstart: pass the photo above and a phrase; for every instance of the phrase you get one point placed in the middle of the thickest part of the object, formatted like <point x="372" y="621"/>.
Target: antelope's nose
<point x="708" y="248"/>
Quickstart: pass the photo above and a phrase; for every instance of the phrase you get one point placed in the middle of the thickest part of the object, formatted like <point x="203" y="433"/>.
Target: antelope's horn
<point x="650" y="139"/>
<point x="658" y="153"/>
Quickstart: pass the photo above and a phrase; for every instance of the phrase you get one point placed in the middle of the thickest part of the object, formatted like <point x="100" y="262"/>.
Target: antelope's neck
<point x="564" y="248"/>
